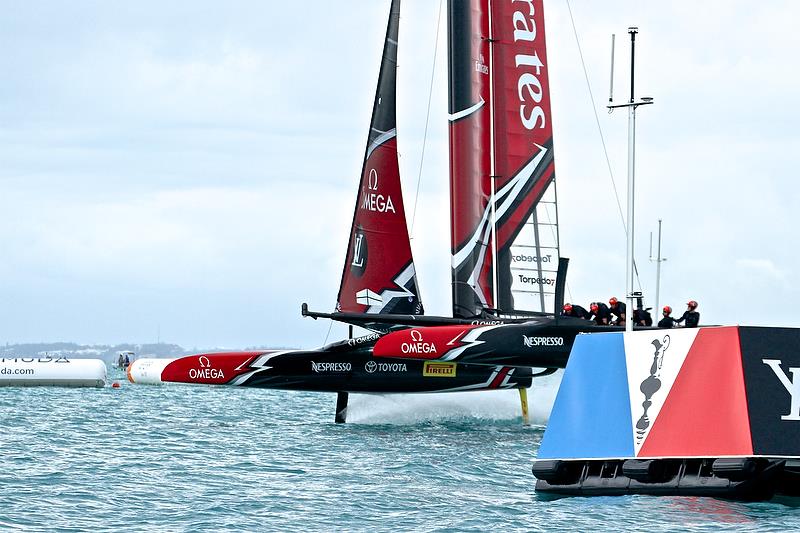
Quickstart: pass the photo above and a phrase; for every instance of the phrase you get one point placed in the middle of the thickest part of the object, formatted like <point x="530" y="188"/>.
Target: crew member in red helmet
<point x="617" y="309"/>
<point x="691" y="316"/>
<point x="599" y="313"/>
<point x="575" y="310"/>
<point x="667" y="321"/>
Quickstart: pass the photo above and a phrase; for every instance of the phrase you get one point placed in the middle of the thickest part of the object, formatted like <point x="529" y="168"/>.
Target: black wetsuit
<point x="577" y="312"/>
<point x="692" y="319"/>
<point x="618" y="310"/>
<point x="642" y="317"/>
<point x="666" y="322"/>
<point x="602" y="313"/>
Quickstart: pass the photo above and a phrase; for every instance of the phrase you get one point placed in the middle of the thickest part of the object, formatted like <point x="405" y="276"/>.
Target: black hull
<point x="361" y="372"/>
<point x="745" y="479"/>
<point x="542" y="342"/>
<point x="507" y="345"/>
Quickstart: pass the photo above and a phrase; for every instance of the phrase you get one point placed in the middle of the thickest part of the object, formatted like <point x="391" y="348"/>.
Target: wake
<point x="411" y="409"/>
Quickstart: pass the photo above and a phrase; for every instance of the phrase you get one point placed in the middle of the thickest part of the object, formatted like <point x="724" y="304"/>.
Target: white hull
<point x="147" y="371"/>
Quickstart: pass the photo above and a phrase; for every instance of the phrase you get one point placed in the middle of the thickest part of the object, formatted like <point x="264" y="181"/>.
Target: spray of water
<point x="410" y="409"/>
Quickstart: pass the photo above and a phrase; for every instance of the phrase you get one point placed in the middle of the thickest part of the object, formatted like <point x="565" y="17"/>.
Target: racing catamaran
<point x="504" y="238"/>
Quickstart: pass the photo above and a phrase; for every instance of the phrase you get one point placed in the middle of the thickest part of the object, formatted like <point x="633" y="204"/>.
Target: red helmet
<point x="667" y="309"/>
<point x="594" y="306"/>
<point x="613" y="301"/>
<point x="692" y="304"/>
<point x="567" y="308"/>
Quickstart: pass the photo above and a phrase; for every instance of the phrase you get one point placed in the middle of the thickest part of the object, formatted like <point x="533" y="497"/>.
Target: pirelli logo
<point x="439" y="370"/>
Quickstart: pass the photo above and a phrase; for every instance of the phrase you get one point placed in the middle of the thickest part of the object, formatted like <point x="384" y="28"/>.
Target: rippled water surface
<point x="183" y="458"/>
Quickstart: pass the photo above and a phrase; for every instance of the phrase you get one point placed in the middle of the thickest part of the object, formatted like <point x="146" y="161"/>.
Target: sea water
<point x="198" y="458"/>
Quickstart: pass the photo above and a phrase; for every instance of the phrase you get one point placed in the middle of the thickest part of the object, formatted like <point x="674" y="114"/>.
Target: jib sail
<point x="504" y="233"/>
<point x="379" y="275"/>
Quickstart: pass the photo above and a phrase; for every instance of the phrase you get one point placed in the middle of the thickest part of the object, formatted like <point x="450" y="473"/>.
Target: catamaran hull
<point x="322" y="371"/>
<point x="544" y="343"/>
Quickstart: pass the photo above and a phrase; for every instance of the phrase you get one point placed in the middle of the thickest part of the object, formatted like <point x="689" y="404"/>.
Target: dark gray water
<point x="183" y="458"/>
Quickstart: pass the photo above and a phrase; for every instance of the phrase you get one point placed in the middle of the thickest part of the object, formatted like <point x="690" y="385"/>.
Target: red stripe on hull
<point x="500" y="377"/>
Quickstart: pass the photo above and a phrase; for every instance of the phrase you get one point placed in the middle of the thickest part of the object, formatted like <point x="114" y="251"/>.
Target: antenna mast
<point x="632" y="104"/>
<point x="658" y="260"/>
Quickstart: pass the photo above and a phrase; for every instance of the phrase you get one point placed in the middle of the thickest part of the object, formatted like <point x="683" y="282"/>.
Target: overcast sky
<point x="187" y="170"/>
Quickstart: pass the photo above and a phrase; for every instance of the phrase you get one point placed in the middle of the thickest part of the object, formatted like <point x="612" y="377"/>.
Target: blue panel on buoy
<point x="591" y="417"/>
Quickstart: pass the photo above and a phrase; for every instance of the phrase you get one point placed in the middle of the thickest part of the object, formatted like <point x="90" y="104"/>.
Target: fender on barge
<point x="740" y="478"/>
<point x="692" y="412"/>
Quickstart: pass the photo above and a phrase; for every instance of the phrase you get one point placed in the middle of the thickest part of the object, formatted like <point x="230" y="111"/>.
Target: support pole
<point x="341" y="407"/>
<point x="523" y="400"/>
<point x="629" y="283"/>
<point x="630" y="267"/>
<point x="658" y="268"/>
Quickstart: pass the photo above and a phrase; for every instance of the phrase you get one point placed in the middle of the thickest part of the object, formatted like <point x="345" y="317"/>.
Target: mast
<point x="632" y="104"/>
<point x="492" y="163"/>
<point x="471" y="203"/>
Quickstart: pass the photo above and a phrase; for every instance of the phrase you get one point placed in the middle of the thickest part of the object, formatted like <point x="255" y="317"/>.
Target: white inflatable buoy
<point x="147" y="371"/>
<point x="52" y="371"/>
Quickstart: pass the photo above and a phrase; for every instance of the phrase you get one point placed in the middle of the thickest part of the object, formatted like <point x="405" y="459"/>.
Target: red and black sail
<point x="379" y="275"/>
<point x="501" y="131"/>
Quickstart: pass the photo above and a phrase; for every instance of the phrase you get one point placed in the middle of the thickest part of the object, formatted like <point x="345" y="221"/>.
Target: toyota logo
<point x="371" y="366"/>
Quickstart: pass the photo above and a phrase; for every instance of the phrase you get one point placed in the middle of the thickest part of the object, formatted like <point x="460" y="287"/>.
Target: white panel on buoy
<point x="147" y="371"/>
<point x="52" y="371"/>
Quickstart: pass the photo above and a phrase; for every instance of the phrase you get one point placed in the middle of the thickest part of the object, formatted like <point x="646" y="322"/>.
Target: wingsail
<point x="504" y="233"/>
<point x="470" y="163"/>
<point x="379" y="274"/>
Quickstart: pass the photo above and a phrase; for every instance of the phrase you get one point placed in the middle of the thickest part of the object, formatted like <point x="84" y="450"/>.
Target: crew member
<point x="691" y="316"/>
<point x="667" y="321"/>
<point x="575" y="310"/>
<point x="600" y="313"/>
<point x="642" y="317"/>
<point x="617" y="309"/>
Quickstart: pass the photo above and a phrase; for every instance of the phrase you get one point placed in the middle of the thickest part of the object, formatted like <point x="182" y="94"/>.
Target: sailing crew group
<point x="615" y="313"/>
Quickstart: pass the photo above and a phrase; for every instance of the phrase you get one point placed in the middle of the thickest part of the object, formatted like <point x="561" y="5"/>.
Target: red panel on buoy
<point x="705" y="414"/>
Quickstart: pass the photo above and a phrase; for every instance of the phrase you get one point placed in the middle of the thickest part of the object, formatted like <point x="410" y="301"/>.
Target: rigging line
<point x="553" y="230"/>
<point x="427" y="120"/>
<point x="330" y="327"/>
<point x="602" y="137"/>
